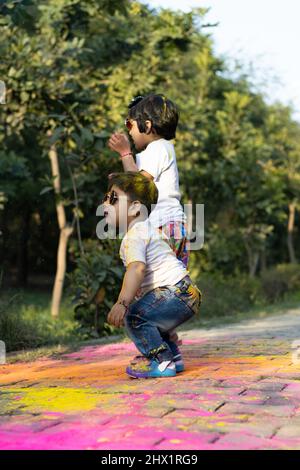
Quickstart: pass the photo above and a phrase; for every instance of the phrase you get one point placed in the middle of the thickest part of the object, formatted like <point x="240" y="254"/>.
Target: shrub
<point x="95" y="284"/>
<point x="278" y="281"/>
<point x="223" y="296"/>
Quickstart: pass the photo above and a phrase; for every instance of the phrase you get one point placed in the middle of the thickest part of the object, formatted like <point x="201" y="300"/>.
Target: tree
<point x="70" y="69"/>
<point x="283" y="136"/>
<point x="252" y="194"/>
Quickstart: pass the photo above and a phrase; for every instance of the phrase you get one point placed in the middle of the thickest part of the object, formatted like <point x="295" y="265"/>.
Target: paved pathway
<point x="241" y="390"/>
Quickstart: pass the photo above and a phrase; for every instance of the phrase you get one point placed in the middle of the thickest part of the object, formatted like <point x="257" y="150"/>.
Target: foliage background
<point x="71" y="67"/>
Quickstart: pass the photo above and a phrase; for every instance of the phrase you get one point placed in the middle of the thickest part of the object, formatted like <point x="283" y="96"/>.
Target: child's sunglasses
<point x="128" y="124"/>
<point x="112" y="198"/>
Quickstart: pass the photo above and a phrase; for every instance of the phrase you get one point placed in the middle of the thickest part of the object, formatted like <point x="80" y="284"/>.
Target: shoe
<point x="151" y="368"/>
<point x="179" y="365"/>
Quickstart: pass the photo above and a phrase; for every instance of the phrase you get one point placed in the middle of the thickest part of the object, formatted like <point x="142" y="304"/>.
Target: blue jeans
<point x="149" y="319"/>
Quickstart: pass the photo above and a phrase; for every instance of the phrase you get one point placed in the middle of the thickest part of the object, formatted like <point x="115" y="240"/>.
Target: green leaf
<point x="46" y="190"/>
<point x="59" y="131"/>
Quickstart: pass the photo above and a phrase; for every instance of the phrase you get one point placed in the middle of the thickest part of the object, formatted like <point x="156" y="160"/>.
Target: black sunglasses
<point x="128" y="124"/>
<point x="112" y="198"/>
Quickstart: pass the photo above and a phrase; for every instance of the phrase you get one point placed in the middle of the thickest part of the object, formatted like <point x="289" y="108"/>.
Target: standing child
<point x="152" y="123"/>
<point x="168" y="297"/>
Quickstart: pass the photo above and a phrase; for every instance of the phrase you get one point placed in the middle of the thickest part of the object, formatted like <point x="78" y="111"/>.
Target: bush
<point x="223" y="296"/>
<point x="278" y="281"/>
<point x="95" y="284"/>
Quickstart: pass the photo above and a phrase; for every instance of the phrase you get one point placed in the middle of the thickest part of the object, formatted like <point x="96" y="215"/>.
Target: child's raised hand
<point x="119" y="142"/>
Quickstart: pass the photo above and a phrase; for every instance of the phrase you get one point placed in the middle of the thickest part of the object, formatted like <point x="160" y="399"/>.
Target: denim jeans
<point x="149" y="319"/>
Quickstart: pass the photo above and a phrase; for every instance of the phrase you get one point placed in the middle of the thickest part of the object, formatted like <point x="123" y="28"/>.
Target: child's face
<point x="140" y="139"/>
<point x="118" y="209"/>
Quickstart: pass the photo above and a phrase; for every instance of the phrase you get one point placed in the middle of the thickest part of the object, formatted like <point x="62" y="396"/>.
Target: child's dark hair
<point x="136" y="186"/>
<point x="162" y="113"/>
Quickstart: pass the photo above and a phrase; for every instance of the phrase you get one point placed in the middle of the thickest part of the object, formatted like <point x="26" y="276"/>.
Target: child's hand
<point x="116" y="315"/>
<point x="119" y="143"/>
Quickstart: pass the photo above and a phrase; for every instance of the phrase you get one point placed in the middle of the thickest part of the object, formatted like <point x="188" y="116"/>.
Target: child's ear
<point x="134" y="209"/>
<point x="148" y="127"/>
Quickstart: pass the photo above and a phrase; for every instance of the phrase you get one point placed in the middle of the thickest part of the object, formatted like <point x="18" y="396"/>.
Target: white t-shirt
<point x="159" y="160"/>
<point x="147" y="244"/>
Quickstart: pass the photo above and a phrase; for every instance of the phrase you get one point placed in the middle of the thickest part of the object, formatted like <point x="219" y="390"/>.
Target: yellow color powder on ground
<point x="59" y="399"/>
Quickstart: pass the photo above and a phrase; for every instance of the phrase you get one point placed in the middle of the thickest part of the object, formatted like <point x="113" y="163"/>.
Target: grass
<point x="25" y="321"/>
<point x="30" y="332"/>
<point x="35" y="302"/>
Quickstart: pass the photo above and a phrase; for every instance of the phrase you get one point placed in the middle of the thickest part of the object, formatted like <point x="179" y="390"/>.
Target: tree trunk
<point x="291" y="224"/>
<point x="254" y="264"/>
<point x="65" y="232"/>
<point x="253" y="259"/>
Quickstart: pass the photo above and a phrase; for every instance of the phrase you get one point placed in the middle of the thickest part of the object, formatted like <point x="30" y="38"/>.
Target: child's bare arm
<point x="131" y="282"/>
<point x="129" y="163"/>
<point x="120" y="143"/>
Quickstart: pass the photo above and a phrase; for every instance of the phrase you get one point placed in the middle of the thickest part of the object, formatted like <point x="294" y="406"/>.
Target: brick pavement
<point x="240" y="390"/>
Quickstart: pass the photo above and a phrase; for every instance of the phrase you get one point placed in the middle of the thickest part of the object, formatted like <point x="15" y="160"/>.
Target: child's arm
<point x="132" y="280"/>
<point x="120" y="143"/>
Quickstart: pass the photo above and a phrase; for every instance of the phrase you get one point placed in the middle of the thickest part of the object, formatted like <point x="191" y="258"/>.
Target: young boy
<point x="152" y="121"/>
<point x="167" y="296"/>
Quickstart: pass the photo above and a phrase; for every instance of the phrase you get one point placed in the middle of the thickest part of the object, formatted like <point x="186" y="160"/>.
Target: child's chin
<point x="138" y="146"/>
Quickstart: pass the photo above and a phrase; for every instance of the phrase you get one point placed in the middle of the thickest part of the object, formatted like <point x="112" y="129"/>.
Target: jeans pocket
<point x="191" y="296"/>
<point x="157" y="296"/>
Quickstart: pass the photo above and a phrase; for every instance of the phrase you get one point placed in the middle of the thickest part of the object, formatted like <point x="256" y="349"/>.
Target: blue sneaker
<point x="179" y="364"/>
<point x="151" y="368"/>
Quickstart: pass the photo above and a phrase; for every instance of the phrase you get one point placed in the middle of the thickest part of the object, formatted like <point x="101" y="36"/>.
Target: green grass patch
<point x="26" y="322"/>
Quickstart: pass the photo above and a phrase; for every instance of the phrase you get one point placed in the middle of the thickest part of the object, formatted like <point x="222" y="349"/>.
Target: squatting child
<point x="167" y="296"/>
